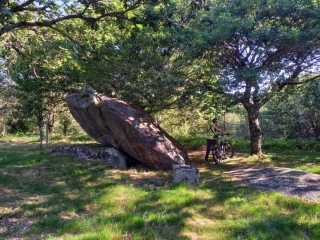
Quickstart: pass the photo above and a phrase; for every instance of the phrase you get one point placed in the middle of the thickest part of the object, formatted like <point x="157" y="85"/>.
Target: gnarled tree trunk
<point x="4" y="131"/>
<point x="254" y="128"/>
<point x="255" y="134"/>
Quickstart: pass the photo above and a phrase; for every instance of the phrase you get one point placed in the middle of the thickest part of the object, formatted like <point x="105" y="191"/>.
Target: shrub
<point x="194" y="141"/>
<point x="296" y="144"/>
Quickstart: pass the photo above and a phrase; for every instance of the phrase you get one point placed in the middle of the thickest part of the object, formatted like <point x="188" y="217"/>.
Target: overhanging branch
<point x="26" y="7"/>
<point x="298" y="83"/>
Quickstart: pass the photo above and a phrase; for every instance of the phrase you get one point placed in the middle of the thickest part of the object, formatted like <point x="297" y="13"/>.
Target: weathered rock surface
<point x="119" y="124"/>
<point x="285" y="180"/>
<point x="110" y="156"/>
<point x="185" y="173"/>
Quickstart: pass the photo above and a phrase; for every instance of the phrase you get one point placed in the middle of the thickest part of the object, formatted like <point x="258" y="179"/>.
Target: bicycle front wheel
<point x="216" y="154"/>
<point x="228" y="150"/>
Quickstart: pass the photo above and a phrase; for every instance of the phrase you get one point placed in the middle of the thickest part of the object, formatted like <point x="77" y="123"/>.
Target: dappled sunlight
<point x="64" y="197"/>
<point x="250" y="160"/>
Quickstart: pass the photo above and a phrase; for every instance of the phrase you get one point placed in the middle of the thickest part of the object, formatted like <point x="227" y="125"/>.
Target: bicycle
<point x="221" y="149"/>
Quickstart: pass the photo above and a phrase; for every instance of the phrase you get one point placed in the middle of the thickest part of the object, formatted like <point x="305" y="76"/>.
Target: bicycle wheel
<point x="228" y="150"/>
<point x="216" y="154"/>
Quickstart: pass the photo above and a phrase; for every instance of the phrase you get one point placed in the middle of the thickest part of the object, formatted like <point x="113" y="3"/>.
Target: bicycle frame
<point x="221" y="148"/>
<point x="220" y="139"/>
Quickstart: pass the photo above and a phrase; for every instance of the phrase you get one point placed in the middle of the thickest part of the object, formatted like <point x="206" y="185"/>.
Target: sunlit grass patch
<point x="59" y="197"/>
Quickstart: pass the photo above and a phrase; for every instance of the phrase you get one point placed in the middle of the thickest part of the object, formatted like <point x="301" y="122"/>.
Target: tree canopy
<point x="164" y="54"/>
<point x="260" y="47"/>
<point x="46" y="13"/>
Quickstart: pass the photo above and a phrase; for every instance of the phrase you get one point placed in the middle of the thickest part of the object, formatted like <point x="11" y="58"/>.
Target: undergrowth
<point x="199" y="141"/>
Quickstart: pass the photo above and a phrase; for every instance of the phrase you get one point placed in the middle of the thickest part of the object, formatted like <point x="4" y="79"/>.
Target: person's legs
<point x="209" y="147"/>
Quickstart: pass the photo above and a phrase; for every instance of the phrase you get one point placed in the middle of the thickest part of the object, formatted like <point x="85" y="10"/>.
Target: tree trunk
<point x="40" y="126"/>
<point x="255" y="130"/>
<point x="51" y="119"/>
<point x="41" y="133"/>
<point x="3" y="126"/>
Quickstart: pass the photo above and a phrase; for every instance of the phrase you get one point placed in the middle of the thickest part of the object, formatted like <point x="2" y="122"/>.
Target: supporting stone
<point x="186" y="173"/>
<point x="110" y="156"/>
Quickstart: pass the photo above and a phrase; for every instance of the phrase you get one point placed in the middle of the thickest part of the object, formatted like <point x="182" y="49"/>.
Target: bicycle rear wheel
<point x="216" y="154"/>
<point x="228" y="150"/>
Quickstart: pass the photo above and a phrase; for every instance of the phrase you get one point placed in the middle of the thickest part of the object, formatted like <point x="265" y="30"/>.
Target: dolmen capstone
<point x="119" y="124"/>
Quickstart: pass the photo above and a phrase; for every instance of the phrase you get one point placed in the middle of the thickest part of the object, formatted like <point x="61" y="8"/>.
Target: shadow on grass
<point x="250" y="213"/>
<point x="294" y="155"/>
<point x="61" y="196"/>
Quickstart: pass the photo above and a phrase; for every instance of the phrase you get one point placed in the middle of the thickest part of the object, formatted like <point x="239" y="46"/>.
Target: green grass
<point x="299" y="159"/>
<point x="56" y="197"/>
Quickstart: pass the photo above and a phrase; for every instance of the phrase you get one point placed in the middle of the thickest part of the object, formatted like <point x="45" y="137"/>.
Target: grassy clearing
<point x="55" y="197"/>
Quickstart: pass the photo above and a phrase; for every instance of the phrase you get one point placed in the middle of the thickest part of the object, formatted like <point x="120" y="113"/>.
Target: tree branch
<point x="297" y="83"/>
<point x="10" y="26"/>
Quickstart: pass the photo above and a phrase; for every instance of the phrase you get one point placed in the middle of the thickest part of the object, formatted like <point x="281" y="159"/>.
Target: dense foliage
<point x="260" y="47"/>
<point x="294" y="113"/>
<point x="182" y="61"/>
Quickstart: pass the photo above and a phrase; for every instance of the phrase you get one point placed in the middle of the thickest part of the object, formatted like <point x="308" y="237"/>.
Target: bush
<point x="296" y="144"/>
<point x="282" y="144"/>
<point x="194" y="141"/>
<point x="199" y="141"/>
<point x="241" y="145"/>
<point x="20" y="125"/>
<point x="81" y="138"/>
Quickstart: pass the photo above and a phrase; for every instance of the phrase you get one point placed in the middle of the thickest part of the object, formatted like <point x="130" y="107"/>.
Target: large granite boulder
<point x="121" y="125"/>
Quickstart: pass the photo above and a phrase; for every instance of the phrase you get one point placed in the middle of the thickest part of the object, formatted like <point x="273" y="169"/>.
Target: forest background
<point x="253" y="64"/>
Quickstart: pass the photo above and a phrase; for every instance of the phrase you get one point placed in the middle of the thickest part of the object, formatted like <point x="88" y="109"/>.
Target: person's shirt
<point x="216" y="129"/>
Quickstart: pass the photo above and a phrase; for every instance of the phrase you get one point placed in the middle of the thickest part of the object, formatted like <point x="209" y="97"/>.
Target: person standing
<point x="216" y="130"/>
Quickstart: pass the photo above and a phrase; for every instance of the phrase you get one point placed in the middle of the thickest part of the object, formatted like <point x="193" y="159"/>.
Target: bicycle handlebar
<point x="220" y="134"/>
